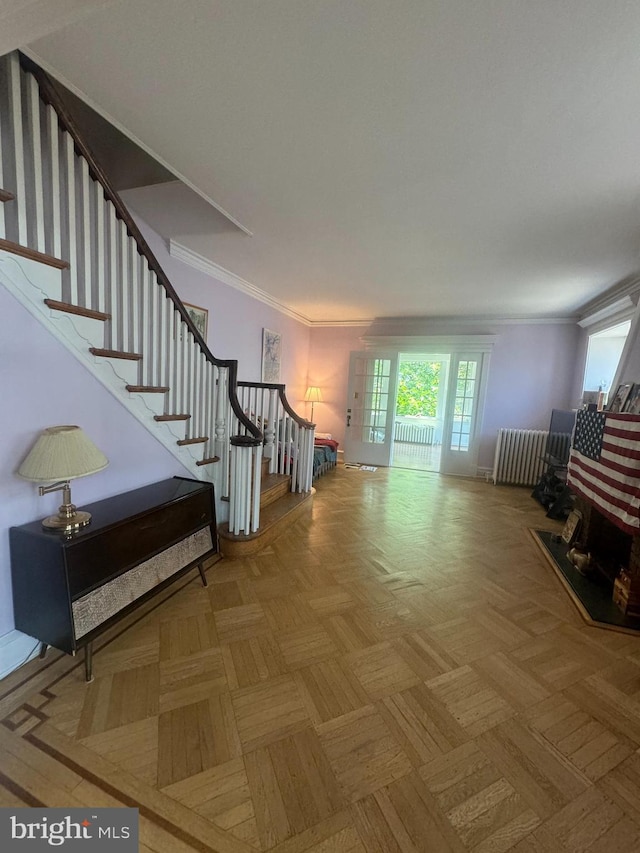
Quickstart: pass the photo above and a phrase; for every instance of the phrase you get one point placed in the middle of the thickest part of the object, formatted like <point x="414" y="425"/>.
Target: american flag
<point x="604" y="465"/>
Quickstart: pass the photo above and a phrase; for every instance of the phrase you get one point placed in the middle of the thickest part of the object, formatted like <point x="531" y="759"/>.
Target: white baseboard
<point x="16" y="649"/>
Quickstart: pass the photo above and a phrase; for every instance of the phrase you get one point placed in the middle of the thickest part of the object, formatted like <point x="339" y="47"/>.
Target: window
<point x="603" y="355"/>
<point x="463" y="405"/>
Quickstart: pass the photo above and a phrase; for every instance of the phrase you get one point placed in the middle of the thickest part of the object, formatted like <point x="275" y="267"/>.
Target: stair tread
<point x="270" y="516"/>
<point x="199" y="440"/>
<point x="272" y="481"/>
<point x="68" y="308"/>
<point x="208" y="461"/>
<point x="171" y="417"/>
<point x="41" y="257"/>
<point x="148" y="389"/>
<point x="112" y="353"/>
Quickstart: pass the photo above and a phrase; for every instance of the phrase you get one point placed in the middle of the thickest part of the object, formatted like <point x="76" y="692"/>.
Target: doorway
<point x="419" y="410"/>
<point x="370" y="422"/>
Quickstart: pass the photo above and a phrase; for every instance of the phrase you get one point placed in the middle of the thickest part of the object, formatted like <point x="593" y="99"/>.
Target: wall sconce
<point x="61" y="454"/>
<point x="313" y="395"/>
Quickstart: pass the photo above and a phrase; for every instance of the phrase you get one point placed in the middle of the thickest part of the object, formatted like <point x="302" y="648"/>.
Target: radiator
<point x="414" y="433"/>
<point x="518" y="453"/>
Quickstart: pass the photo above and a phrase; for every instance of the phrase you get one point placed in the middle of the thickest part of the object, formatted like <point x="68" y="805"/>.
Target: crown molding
<point x="46" y="66"/>
<point x="199" y="262"/>
<point x="616" y="312"/>
<point x="401" y="325"/>
<point x="317" y="324"/>
<point x="616" y="302"/>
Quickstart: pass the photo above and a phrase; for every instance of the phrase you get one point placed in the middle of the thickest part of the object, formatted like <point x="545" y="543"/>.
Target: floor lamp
<point x="313" y="395"/>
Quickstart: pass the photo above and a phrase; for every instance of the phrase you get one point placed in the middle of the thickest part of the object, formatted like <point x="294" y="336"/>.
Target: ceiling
<point x="383" y="158"/>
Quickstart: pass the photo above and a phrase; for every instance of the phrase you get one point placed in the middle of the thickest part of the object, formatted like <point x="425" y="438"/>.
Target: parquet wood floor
<point x="401" y="672"/>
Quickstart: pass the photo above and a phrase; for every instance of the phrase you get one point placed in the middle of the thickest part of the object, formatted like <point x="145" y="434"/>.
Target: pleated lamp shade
<point x="62" y="453"/>
<point x="313" y="394"/>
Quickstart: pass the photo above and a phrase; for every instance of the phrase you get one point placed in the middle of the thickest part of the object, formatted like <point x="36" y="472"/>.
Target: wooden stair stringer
<point x="31" y="282"/>
<point x="275" y="519"/>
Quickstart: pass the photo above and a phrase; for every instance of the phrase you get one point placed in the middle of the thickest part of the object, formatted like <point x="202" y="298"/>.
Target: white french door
<point x="371" y="406"/>
<point x="462" y="420"/>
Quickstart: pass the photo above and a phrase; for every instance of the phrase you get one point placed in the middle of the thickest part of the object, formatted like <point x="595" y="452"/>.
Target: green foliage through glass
<point x="418" y="383"/>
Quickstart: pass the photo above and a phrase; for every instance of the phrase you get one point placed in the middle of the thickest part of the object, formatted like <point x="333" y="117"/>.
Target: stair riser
<point x="272" y="495"/>
<point x="127" y="370"/>
<point x="250" y="547"/>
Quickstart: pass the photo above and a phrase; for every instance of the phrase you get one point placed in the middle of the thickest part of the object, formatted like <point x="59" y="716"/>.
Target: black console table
<point x="69" y="589"/>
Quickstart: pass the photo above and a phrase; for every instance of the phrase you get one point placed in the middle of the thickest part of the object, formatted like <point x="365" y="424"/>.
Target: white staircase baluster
<point x="19" y="188"/>
<point x="222" y="445"/>
<point x="247" y="459"/>
<point x="111" y="302"/>
<point x="3" y="223"/>
<point x="170" y="368"/>
<point x="5" y="146"/>
<point x="198" y="393"/>
<point x="100" y="298"/>
<point x="188" y="389"/>
<point x="235" y="490"/>
<point x="294" y="454"/>
<point x="270" y="431"/>
<point x="166" y="334"/>
<point x="135" y="296"/>
<point x="255" y="479"/>
<point x="146" y="317"/>
<point x="35" y="163"/>
<point x="70" y="196"/>
<point x="178" y="376"/>
<point x="232" y="492"/>
<point x="158" y="326"/>
<point x="207" y="385"/>
<point x="124" y="289"/>
<point x="53" y="133"/>
<point x="85" y="272"/>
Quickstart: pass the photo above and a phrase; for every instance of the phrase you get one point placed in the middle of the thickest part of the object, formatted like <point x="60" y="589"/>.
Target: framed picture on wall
<point x="620" y="398"/>
<point x="200" y="317"/>
<point x="271" y="355"/>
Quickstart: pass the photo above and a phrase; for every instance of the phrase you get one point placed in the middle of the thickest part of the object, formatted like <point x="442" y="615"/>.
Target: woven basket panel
<point x="96" y="607"/>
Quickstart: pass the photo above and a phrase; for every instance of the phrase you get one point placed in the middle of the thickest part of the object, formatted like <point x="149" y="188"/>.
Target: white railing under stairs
<point x="288" y="438"/>
<point x="56" y="203"/>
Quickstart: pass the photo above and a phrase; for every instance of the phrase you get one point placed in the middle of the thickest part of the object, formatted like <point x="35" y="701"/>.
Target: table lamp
<point x="313" y="395"/>
<point x="61" y="454"/>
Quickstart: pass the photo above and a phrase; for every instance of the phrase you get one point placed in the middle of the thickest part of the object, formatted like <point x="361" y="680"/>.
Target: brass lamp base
<point x="67" y="525"/>
<point x="68" y="519"/>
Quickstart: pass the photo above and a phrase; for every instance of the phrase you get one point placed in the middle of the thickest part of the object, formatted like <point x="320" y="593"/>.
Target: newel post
<point x="244" y="487"/>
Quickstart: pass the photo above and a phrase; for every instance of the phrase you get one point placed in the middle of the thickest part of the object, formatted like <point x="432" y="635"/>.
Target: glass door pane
<point x="371" y="400"/>
<point x="460" y="441"/>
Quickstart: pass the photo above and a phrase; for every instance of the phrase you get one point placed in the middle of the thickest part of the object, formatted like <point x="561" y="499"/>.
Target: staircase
<point x="73" y="255"/>
<point x="279" y="508"/>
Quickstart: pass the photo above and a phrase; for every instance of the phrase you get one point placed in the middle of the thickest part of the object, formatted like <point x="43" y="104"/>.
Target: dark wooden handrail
<point x="281" y="389"/>
<point x="50" y="95"/>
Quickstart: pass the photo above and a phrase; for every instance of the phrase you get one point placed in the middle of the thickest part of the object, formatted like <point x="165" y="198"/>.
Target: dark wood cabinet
<point x="68" y="589"/>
